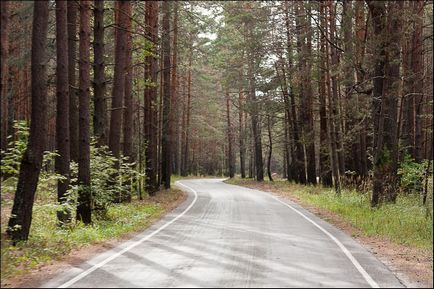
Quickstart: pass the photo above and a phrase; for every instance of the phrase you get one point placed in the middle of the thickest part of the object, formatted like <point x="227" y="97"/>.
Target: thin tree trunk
<point x="99" y="83"/>
<point x="62" y="111"/>
<point x="21" y="216"/>
<point x="84" y="212"/>
<point x="270" y="148"/>
<point x="128" y="94"/>
<point x="242" y="132"/>
<point x="230" y="154"/>
<point x="185" y="169"/>
<point x="166" y="164"/>
<point x="174" y="93"/>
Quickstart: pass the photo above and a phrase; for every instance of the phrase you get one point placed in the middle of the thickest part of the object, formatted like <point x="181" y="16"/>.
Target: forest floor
<point x="406" y="246"/>
<point x="51" y="250"/>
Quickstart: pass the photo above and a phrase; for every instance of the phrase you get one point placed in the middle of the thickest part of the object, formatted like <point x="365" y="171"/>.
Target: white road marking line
<point x="102" y="263"/>
<point x="347" y="253"/>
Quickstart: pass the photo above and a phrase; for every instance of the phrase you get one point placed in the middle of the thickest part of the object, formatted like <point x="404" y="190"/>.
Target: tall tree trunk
<point x="128" y="110"/>
<point x="185" y="168"/>
<point x="150" y="96"/>
<point x="128" y="95"/>
<point x="99" y="83"/>
<point x="166" y="142"/>
<point x="174" y="93"/>
<point x="242" y="133"/>
<point x="418" y="71"/>
<point x="359" y="48"/>
<point x="84" y="213"/>
<point x="270" y="148"/>
<point x="386" y="86"/>
<point x="21" y="216"/>
<point x="4" y="71"/>
<point x="325" y="165"/>
<point x="118" y="91"/>
<point x="72" y="75"/>
<point x="230" y="153"/>
<point x="304" y="48"/>
<point x="331" y="131"/>
<point x="62" y="111"/>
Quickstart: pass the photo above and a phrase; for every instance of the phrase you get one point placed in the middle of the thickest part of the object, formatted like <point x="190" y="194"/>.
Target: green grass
<point x="406" y="222"/>
<point x="48" y="241"/>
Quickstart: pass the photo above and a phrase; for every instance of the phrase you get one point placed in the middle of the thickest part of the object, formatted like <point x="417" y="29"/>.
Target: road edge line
<point x="147" y="237"/>
<point x="341" y="246"/>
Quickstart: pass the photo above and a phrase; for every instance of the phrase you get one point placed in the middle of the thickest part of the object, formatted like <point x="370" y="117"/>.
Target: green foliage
<point x="48" y="241"/>
<point x="11" y="158"/>
<point x="411" y="174"/>
<point x="106" y="181"/>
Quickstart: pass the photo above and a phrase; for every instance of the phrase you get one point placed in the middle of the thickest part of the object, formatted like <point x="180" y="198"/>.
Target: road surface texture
<point x="229" y="236"/>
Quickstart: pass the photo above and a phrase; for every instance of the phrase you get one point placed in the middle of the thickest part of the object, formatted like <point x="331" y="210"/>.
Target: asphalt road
<point x="230" y="236"/>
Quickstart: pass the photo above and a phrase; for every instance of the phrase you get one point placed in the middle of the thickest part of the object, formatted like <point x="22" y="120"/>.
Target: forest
<point x="106" y="103"/>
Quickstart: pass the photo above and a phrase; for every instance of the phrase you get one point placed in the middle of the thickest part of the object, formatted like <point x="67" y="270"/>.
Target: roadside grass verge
<point x="406" y="222"/>
<point x="49" y="242"/>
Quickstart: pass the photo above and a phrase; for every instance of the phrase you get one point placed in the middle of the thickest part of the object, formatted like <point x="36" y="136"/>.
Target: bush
<point x="107" y="183"/>
<point x="411" y="175"/>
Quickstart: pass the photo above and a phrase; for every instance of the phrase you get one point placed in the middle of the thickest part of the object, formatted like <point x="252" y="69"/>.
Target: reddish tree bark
<point x="84" y="212"/>
<point x="72" y="75"/>
<point x="62" y="111"/>
<point x="150" y="102"/>
<point x="99" y="82"/>
<point x="166" y="155"/>
<point x="4" y="71"/>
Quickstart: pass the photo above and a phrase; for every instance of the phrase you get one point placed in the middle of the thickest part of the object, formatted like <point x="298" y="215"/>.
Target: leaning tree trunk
<point x="21" y="216"/>
<point x="84" y="197"/>
<point x="62" y="111"/>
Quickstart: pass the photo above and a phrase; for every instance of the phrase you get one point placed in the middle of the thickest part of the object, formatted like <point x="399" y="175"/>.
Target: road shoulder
<point x="412" y="266"/>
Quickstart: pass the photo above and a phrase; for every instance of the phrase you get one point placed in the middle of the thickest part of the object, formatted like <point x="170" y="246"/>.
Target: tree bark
<point x="84" y="212"/>
<point x="166" y="164"/>
<point x="150" y="96"/>
<point x="386" y="87"/>
<point x="62" y="111"/>
<point x="128" y="111"/>
<point x="118" y="78"/>
<point x="21" y="216"/>
<point x="230" y="153"/>
<point x="99" y="82"/>
<point x="72" y="75"/>
<point x="4" y="72"/>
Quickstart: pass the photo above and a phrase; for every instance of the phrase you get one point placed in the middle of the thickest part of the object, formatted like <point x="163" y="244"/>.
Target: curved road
<point x="230" y="236"/>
